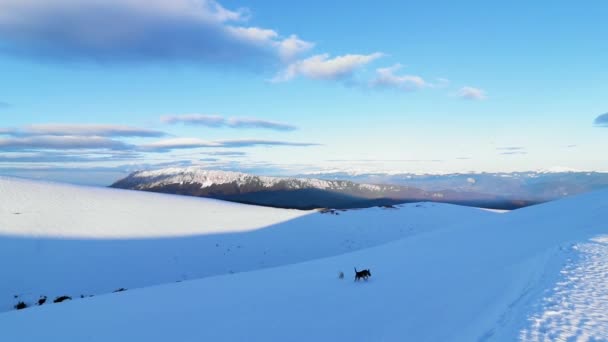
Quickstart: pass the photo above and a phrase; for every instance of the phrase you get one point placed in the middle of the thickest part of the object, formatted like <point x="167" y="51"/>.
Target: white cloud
<point x="322" y="67"/>
<point x="387" y="78"/>
<point x="219" y="121"/>
<point x="293" y="46"/>
<point x="471" y="93"/>
<point x="253" y="34"/>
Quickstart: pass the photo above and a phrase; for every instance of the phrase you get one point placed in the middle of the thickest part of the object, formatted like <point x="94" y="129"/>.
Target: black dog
<point x="362" y="274"/>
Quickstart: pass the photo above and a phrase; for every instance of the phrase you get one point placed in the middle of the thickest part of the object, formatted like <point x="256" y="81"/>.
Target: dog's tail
<point x="355" y="269"/>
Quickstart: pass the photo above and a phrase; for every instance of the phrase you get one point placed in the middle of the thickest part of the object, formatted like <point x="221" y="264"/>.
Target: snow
<point x="42" y="209"/>
<point x="73" y="240"/>
<point x="577" y="307"/>
<point x="471" y="276"/>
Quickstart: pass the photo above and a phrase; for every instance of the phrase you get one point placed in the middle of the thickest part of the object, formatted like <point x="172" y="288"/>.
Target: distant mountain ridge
<point x="297" y="193"/>
<point x="535" y="186"/>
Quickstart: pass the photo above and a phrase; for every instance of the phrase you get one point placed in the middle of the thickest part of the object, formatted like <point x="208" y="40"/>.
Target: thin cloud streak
<point x="98" y="130"/>
<point x="472" y="93"/>
<point x="190" y="143"/>
<point x="61" y="143"/>
<point x="219" y="121"/>
<point x="387" y="160"/>
<point x="89" y="130"/>
<point x="50" y="157"/>
<point x="511" y="153"/>
<point x="510" y="148"/>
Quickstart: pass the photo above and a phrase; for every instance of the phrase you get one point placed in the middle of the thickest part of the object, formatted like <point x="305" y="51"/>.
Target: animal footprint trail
<point x="577" y="309"/>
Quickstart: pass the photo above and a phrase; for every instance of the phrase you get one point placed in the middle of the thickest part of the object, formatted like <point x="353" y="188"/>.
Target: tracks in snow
<point x="576" y="308"/>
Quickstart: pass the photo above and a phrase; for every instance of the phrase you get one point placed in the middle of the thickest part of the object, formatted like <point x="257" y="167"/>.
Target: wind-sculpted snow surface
<point x="577" y="307"/>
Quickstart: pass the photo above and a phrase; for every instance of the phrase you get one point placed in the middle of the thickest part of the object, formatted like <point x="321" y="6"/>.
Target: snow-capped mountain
<point x="299" y="193"/>
<point x="208" y="178"/>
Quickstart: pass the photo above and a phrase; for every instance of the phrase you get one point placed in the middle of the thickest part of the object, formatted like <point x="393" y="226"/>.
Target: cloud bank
<point x="98" y="130"/>
<point x="102" y="137"/>
<point x="61" y="143"/>
<point x="191" y="31"/>
<point x="139" y="30"/>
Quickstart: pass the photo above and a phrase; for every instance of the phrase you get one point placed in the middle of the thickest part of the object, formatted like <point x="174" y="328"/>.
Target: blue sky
<point x="92" y="89"/>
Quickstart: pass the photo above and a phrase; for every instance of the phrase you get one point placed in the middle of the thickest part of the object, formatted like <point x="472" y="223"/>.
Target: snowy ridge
<point x="368" y="172"/>
<point x="207" y="178"/>
<point x="535" y="186"/>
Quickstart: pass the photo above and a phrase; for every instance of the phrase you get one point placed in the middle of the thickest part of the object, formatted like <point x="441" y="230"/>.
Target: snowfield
<point x="439" y="272"/>
<point x="59" y="239"/>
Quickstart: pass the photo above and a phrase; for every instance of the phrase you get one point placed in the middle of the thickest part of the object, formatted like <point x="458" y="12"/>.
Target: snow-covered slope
<point x="478" y="279"/>
<point x="39" y="209"/>
<point x="58" y="239"/>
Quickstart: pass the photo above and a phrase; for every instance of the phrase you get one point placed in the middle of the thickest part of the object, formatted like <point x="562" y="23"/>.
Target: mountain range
<point x="532" y="186"/>
<point x="302" y="192"/>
